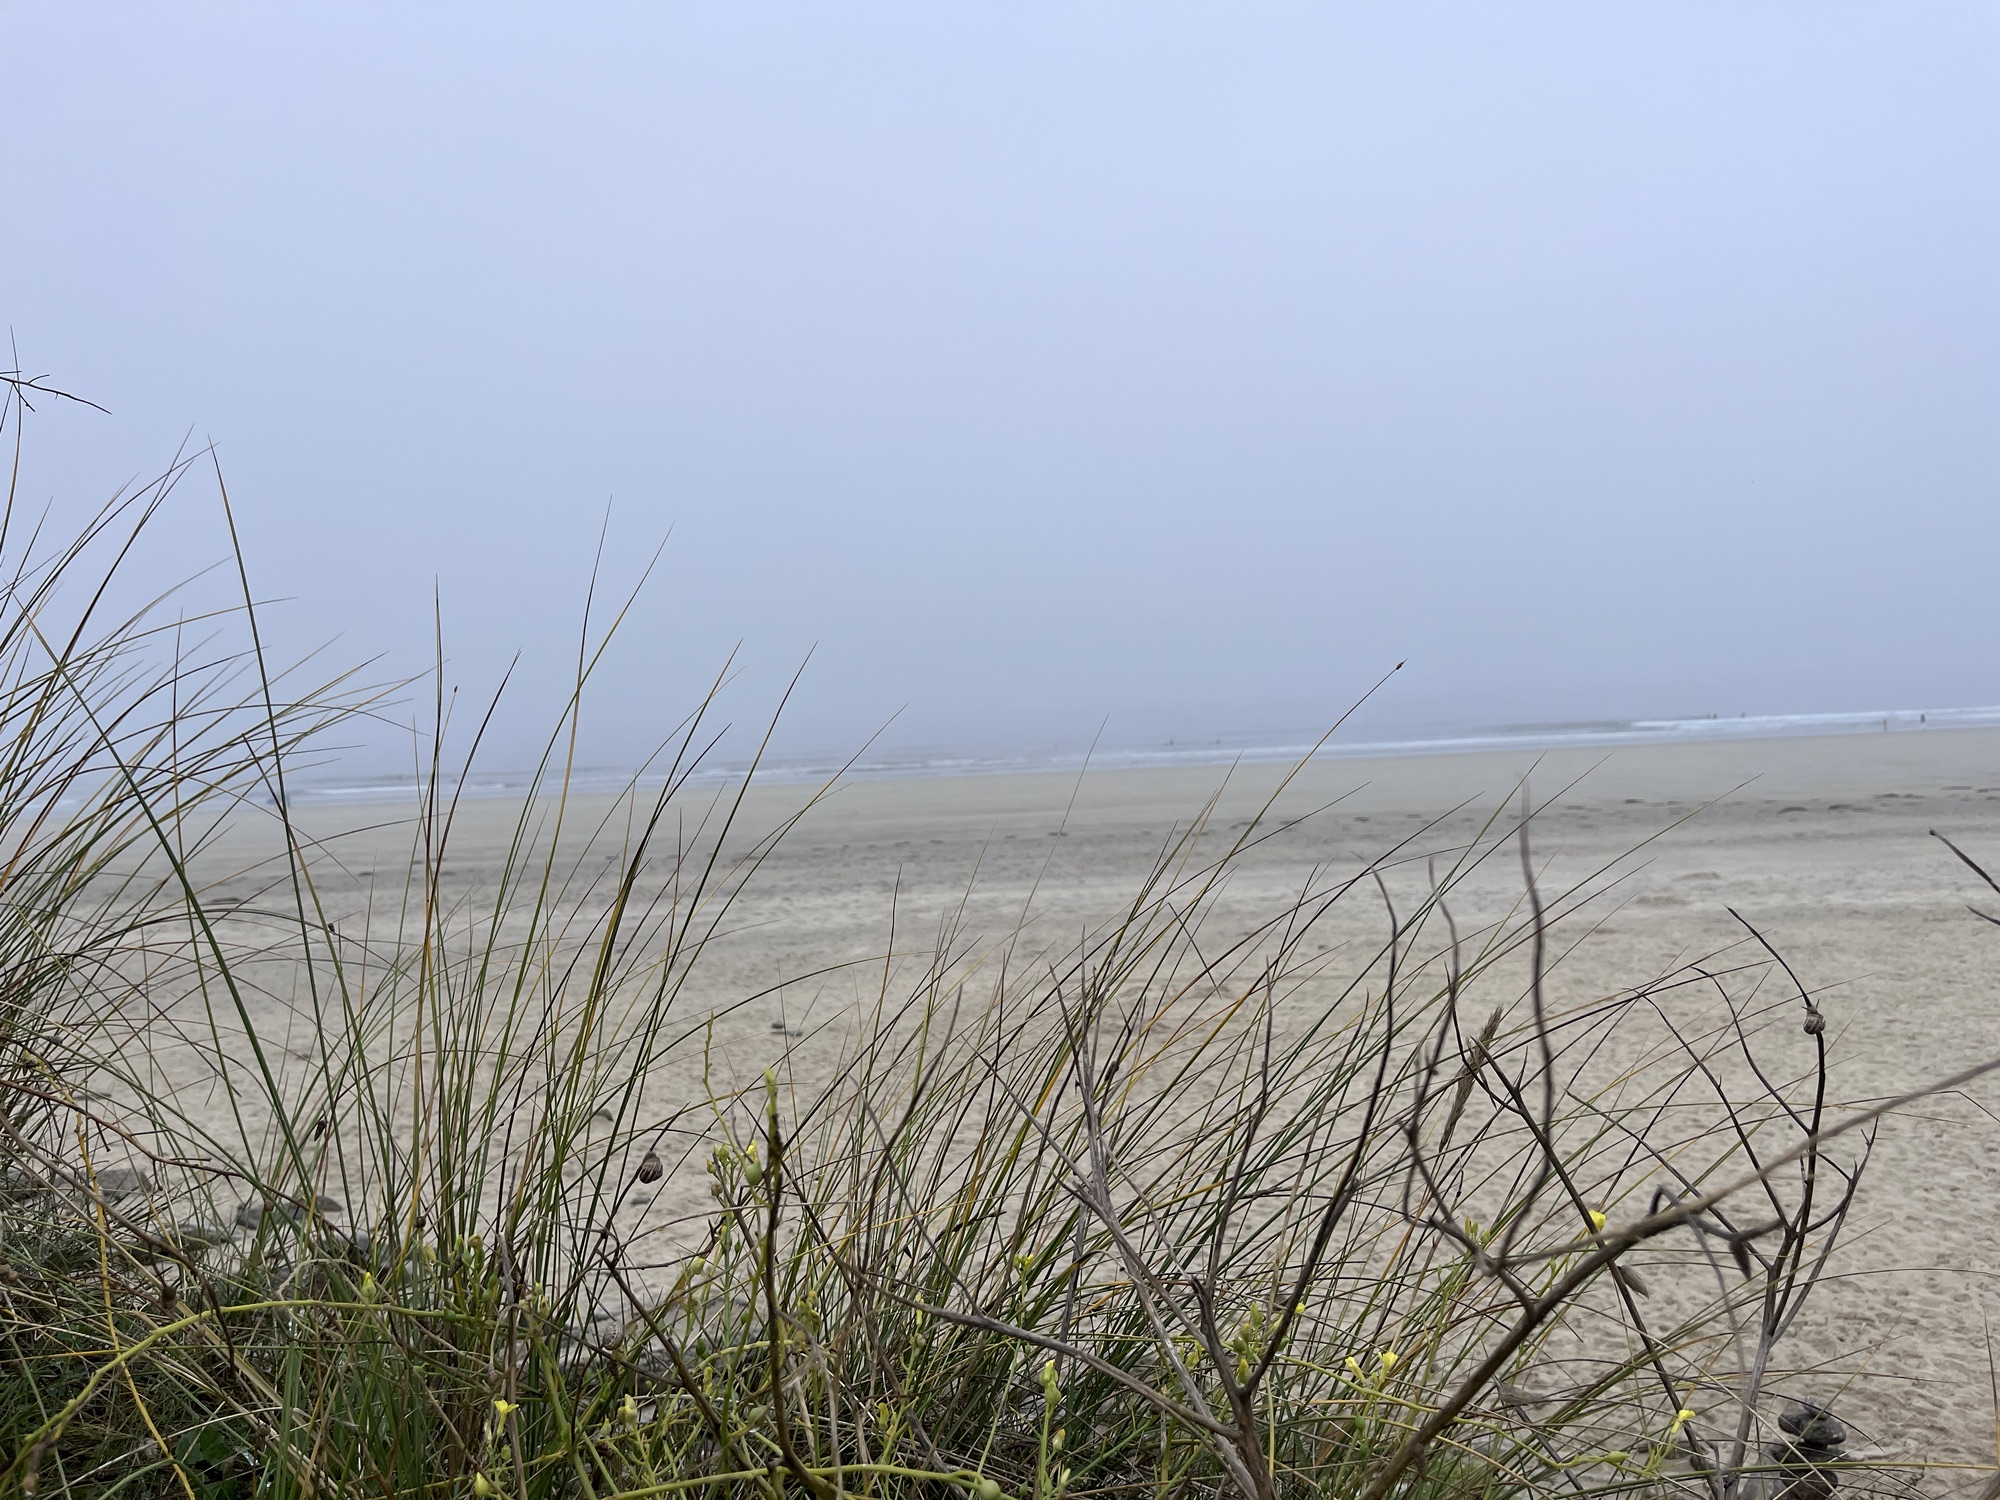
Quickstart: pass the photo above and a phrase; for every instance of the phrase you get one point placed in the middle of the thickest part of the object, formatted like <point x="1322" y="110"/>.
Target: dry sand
<point x="1822" y="842"/>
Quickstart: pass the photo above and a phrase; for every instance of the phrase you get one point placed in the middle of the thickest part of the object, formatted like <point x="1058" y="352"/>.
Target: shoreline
<point x="1601" y="735"/>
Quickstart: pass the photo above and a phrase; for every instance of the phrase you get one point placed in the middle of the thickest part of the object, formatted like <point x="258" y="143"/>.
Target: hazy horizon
<point x="1160" y="370"/>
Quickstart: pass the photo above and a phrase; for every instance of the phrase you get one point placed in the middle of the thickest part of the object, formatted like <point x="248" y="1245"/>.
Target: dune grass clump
<point x="1188" y="1205"/>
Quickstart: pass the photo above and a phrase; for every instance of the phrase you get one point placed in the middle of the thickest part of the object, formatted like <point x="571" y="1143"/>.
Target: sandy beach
<point x="1823" y="843"/>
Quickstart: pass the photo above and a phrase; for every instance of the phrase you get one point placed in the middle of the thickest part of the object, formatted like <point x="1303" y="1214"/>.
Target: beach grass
<point x="1183" y="1205"/>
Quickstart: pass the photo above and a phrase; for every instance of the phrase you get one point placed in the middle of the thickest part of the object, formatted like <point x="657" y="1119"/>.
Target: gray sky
<point x="1186" y="365"/>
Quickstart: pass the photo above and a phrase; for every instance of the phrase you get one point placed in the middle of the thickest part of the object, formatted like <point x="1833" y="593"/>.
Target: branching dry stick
<point x="1782" y="1293"/>
<point x="1601" y="1251"/>
<point x="1741" y="1241"/>
<point x="1544" y="1127"/>
<point x="1249" y="1465"/>
<point x="1439" y="1207"/>
<point x="1241" y="1395"/>
<point x="1091" y="1187"/>
<point x="1556" y="1170"/>
<point x="1242" y="1456"/>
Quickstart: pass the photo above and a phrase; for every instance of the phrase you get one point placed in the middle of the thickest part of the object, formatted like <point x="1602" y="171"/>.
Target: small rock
<point x="250" y="1213"/>
<point x="1815" y="1427"/>
<point x="199" y="1234"/>
<point x="122" y="1182"/>
<point x="358" y="1247"/>
<point x="1818" y="1439"/>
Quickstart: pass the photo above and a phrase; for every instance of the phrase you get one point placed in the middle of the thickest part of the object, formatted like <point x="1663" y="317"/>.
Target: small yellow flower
<point x="481" y="1485"/>
<point x="1596" y="1219"/>
<point x="504" y="1407"/>
<point x="1681" y="1418"/>
<point x="1388" y="1358"/>
<point x="1354" y="1367"/>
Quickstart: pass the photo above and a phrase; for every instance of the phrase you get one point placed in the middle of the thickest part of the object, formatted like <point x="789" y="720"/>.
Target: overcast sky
<point x="1185" y="365"/>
